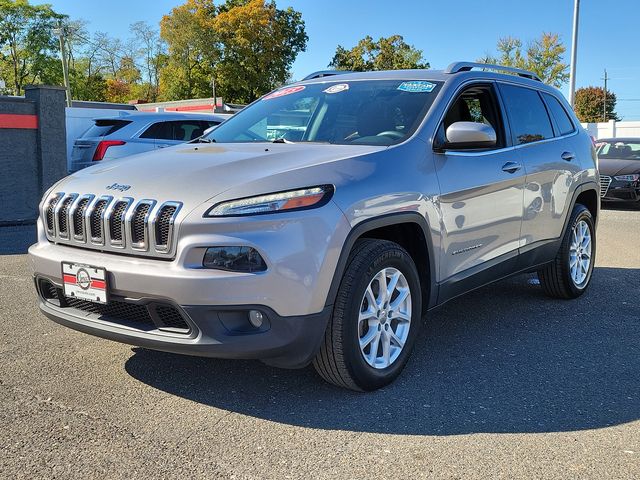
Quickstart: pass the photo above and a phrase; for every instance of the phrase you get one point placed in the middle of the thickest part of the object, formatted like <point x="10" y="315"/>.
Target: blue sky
<point x="445" y="30"/>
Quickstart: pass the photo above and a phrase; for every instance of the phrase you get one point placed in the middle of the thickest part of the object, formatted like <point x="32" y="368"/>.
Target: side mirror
<point x="466" y="135"/>
<point x="209" y="130"/>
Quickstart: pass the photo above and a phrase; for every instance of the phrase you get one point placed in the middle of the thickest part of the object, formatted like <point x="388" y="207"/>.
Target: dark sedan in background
<point x="619" y="169"/>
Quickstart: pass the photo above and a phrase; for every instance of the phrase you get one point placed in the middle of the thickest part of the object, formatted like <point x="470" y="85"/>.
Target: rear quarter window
<point x="102" y="128"/>
<point x="528" y="116"/>
<point x="560" y="115"/>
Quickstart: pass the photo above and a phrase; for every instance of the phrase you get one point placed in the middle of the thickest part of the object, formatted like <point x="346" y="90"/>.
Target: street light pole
<point x="574" y="53"/>
<point x="65" y="66"/>
<point x="604" y="107"/>
<point x="213" y="88"/>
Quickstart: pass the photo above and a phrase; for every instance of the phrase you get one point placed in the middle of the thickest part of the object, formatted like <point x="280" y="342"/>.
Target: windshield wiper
<point x="203" y="140"/>
<point x="281" y="140"/>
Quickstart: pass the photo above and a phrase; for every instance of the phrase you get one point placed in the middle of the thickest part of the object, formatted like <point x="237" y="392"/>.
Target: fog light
<point x="256" y="318"/>
<point x="236" y="259"/>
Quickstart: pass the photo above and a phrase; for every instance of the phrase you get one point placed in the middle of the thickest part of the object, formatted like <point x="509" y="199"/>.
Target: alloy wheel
<point x="384" y="319"/>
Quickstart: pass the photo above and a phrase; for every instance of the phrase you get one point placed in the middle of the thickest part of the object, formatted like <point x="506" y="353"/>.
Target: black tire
<point x="340" y="360"/>
<point x="555" y="277"/>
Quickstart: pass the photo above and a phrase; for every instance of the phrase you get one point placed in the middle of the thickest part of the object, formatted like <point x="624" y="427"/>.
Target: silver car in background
<point x="321" y="223"/>
<point x="131" y="133"/>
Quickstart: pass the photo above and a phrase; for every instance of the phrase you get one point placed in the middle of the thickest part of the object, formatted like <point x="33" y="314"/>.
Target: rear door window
<point x="528" y="116"/>
<point x="560" y="115"/>
<point x="102" y="128"/>
<point x="181" y="130"/>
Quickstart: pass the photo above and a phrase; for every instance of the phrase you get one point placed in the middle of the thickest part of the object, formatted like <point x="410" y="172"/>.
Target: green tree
<point x="589" y="105"/>
<point x="191" y="51"/>
<point x="390" y="53"/>
<point x="258" y="45"/>
<point x="543" y="56"/>
<point x="247" y="46"/>
<point x="28" y="47"/>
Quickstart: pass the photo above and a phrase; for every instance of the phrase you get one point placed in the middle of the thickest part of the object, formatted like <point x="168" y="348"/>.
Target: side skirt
<point x="529" y="259"/>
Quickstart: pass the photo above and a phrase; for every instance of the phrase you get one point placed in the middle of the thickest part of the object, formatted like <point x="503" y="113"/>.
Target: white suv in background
<point x="121" y="136"/>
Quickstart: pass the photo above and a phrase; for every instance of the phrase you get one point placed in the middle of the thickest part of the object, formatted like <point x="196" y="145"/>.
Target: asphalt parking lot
<point x="504" y="383"/>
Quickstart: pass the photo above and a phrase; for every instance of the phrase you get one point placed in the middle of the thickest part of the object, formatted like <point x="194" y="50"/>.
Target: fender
<point x="384" y="221"/>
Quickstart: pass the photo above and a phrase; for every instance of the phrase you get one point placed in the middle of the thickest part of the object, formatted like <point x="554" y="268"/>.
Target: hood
<point x="194" y="173"/>
<point x="615" y="166"/>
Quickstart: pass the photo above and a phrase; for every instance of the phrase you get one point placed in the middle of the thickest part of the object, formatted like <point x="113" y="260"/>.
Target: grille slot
<point x="50" y="213"/>
<point x="164" y="224"/>
<point x="78" y="217"/>
<point x="96" y="219"/>
<point x="605" y="181"/>
<point x="116" y="221"/>
<point x="139" y="223"/>
<point x="63" y="217"/>
<point x="137" y="227"/>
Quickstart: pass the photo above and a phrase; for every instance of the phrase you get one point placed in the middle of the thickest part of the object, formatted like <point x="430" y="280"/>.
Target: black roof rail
<point x="325" y="73"/>
<point x="457" y="67"/>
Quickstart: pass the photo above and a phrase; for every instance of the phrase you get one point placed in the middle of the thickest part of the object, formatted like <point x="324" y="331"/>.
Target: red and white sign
<point x="84" y="282"/>
<point x="284" y="91"/>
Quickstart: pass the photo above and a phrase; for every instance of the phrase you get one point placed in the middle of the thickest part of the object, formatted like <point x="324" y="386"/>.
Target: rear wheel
<point x="375" y="319"/>
<point x="568" y="276"/>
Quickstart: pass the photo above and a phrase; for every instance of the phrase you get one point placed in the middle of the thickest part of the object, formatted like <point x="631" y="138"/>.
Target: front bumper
<point x="209" y="331"/>
<point x="621" y="191"/>
<point x="301" y="250"/>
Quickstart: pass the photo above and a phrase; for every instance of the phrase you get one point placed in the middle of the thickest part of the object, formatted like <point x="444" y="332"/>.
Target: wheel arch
<point x="586" y="194"/>
<point x="408" y="229"/>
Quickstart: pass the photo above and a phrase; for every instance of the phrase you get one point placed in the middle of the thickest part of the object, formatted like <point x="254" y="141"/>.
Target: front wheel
<point x="568" y="276"/>
<point x="375" y="319"/>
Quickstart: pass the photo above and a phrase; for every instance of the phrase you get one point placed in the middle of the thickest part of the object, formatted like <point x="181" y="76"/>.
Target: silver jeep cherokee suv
<point x="320" y="223"/>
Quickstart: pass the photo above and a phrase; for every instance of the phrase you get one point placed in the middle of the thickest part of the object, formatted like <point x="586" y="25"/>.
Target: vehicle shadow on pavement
<point x="501" y="359"/>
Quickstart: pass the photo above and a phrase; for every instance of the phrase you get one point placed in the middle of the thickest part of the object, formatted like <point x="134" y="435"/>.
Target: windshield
<point x="369" y="112"/>
<point x="622" y="149"/>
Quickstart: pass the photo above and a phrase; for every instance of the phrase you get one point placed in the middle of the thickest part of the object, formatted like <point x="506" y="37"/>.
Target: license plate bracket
<point x="85" y="282"/>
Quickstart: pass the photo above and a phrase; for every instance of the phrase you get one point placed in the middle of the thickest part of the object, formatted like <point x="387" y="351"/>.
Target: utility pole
<point x="213" y="88"/>
<point x="65" y="66"/>
<point x="604" y="108"/>
<point x="574" y="54"/>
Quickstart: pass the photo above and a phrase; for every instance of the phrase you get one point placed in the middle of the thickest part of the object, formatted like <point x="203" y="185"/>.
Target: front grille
<point x="137" y="227"/>
<point x="145" y="317"/>
<point x="605" y="181"/>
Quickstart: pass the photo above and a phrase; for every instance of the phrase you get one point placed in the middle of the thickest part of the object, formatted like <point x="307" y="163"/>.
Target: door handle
<point x="511" y="167"/>
<point x="568" y="156"/>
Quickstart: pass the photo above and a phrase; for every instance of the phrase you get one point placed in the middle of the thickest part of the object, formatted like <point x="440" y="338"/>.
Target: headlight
<point x="628" y="178"/>
<point x="301" y="199"/>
